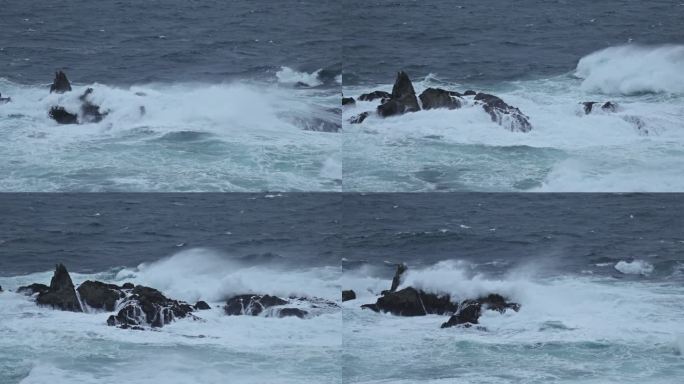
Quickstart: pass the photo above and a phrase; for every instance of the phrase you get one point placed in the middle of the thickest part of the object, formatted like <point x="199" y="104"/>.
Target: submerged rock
<point x="99" y="295"/>
<point x="148" y="307"/>
<point x="358" y="119"/>
<point x="61" y="293"/>
<point x="607" y="106"/>
<point x="60" y="84"/>
<point x="348" y="295"/>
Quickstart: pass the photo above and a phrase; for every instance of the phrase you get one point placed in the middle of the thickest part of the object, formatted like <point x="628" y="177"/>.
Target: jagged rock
<point x="412" y="302"/>
<point x="60" y="84"/>
<point x="433" y="98"/>
<point x="396" y="280"/>
<point x="469" y="92"/>
<point x="100" y="295"/>
<point x="608" y="106"/>
<point x="348" y="101"/>
<point x="382" y="95"/>
<point x="32" y="289"/>
<point x="202" y="305"/>
<point x="290" y="312"/>
<point x="128" y="286"/>
<point x="503" y="114"/>
<point x="467" y="315"/>
<point x="61" y="293"/>
<point x="403" y="98"/>
<point x="147" y="306"/>
<point x="358" y="119"/>
<point x="60" y="115"/>
<point x="469" y="311"/>
<point x="348" y="295"/>
<point x="90" y="112"/>
<point x="251" y="305"/>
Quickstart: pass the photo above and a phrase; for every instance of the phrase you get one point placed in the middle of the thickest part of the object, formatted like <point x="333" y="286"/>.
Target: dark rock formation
<point x="202" y="305"/>
<point x="348" y="101"/>
<point x="412" y="302"/>
<point x="61" y="293"/>
<point x="467" y="315"/>
<point x="290" y="312"/>
<point x="382" y="95"/>
<point x="348" y="295"/>
<point x="469" y="311"/>
<point x="90" y="112"/>
<point x="358" y="119"/>
<point x="60" y="115"/>
<point x="147" y="306"/>
<point x="469" y="92"/>
<point x="128" y="286"/>
<point x="0" y="288"/>
<point x="403" y="98"/>
<point x="433" y="98"/>
<point x="60" y="84"/>
<point x="32" y="289"/>
<point x="608" y="106"/>
<point x="504" y="114"/>
<point x="98" y="295"/>
<point x="396" y="280"/>
<point x="251" y="305"/>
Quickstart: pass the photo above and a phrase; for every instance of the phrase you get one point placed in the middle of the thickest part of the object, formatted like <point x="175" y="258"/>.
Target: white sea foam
<point x="287" y="75"/>
<point x="247" y="349"/>
<point x="197" y="137"/>
<point x="633" y="69"/>
<point x="565" y="151"/>
<point x="576" y="325"/>
<point x="635" y="267"/>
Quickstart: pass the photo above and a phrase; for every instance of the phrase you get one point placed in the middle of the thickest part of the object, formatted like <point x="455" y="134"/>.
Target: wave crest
<point x="633" y="69"/>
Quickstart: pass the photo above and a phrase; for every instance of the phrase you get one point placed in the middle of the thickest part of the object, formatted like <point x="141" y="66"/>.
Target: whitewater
<point x="570" y="329"/>
<point x="638" y="148"/>
<point x="247" y="349"/>
<point x="244" y="135"/>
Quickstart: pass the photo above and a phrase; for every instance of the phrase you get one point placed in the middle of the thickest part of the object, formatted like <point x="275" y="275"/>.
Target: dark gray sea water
<point x="483" y="42"/>
<point x="543" y="57"/>
<point x="128" y="42"/>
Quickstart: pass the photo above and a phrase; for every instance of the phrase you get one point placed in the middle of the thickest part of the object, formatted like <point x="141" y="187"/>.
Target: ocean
<point x="235" y="96"/>
<point x="190" y="247"/>
<point x="598" y="277"/>
<point x="544" y="57"/>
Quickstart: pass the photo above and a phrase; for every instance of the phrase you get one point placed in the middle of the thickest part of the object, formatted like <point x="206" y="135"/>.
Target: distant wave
<point x="287" y="75"/>
<point x="636" y="267"/>
<point x="633" y="69"/>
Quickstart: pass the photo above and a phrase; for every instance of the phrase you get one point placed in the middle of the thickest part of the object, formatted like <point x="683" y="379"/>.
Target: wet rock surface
<point x="410" y="301"/>
<point x="403" y="100"/>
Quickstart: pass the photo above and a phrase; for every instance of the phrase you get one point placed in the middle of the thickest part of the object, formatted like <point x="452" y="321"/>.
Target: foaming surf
<point x="234" y="136"/>
<point x="637" y="147"/>
<point x="580" y="326"/>
<point x="250" y="349"/>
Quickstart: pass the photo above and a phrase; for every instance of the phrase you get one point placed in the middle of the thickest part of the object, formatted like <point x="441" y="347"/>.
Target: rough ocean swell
<point x="640" y="147"/>
<point x="232" y="136"/>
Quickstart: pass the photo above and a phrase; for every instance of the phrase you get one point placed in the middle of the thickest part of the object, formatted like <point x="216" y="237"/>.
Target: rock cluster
<point x="410" y="301"/>
<point x="89" y="111"/>
<point x="403" y="100"/>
